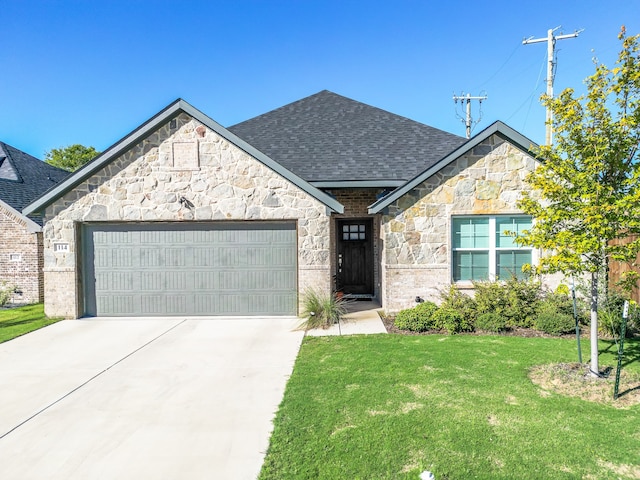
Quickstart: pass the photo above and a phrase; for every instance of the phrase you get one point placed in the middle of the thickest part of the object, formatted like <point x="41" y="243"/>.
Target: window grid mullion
<point x="492" y="248"/>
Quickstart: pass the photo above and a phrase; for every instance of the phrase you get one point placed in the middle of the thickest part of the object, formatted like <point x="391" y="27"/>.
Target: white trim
<point x="30" y="225"/>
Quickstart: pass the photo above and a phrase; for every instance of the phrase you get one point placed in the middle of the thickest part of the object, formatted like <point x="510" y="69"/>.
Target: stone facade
<point x="416" y="259"/>
<point x="181" y="172"/>
<point x="21" y="258"/>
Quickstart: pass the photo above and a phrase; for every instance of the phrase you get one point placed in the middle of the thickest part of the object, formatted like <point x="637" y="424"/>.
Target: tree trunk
<point x="594" y="324"/>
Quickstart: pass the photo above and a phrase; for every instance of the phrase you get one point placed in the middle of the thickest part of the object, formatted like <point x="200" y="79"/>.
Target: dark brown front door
<point x="355" y="256"/>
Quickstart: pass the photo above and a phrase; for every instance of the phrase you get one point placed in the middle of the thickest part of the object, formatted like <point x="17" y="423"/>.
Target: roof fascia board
<point x="497" y="128"/>
<point x="32" y="227"/>
<point x="171" y="111"/>
<point x="359" y="184"/>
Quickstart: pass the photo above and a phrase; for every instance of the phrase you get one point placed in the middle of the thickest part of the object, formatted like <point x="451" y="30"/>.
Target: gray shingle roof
<point x="330" y="138"/>
<point x="23" y="177"/>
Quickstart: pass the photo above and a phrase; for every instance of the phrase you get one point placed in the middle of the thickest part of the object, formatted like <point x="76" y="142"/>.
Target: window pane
<point x="471" y="233"/>
<point x="510" y="263"/>
<point x="510" y="224"/>
<point x="470" y="266"/>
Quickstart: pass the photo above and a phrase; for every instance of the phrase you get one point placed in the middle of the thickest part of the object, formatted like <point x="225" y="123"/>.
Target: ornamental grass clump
<point x="322" y="309"/>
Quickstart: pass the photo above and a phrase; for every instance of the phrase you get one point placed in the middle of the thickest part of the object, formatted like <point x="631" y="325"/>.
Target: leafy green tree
<point x="70" y="158"/>
<point x="586" y="192"/>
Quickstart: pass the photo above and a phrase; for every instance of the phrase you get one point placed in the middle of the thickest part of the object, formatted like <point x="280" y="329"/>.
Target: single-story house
<point x="186" y="217"/>
<point x="23" y="178"/>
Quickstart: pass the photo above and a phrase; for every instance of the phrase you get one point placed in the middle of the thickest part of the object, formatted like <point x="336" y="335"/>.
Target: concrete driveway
<point x="168" y="398"/>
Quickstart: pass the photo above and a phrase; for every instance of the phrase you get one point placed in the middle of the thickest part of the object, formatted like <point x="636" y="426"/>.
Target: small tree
<point x="587" y="189"/>
<point x="70" y="158"/>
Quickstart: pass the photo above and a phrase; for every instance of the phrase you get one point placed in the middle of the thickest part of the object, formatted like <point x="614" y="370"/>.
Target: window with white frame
<point x="484" y="249"/>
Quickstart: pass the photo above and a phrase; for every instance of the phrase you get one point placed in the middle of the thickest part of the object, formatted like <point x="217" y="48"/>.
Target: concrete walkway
<point x="135" y="399"/>
<point x="363" y="318"/>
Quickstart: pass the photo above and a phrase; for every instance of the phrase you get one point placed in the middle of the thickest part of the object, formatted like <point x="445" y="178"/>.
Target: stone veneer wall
<point x="147" y="183"/>
<point x="356" y="203"/>
<point x="417" y="227"/>
<point x="25" y="273"/>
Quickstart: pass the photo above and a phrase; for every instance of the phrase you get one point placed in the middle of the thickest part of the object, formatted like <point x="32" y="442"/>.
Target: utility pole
<point x="551" y="46"/>
<point x="468" y="99"/>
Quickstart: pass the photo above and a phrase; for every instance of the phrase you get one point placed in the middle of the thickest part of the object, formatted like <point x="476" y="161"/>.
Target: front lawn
<point x="391" y="406"/>
<point x="18" y="321"/>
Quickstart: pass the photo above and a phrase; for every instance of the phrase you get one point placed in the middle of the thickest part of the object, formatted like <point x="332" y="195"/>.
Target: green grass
<point x="391" y="406"/>
<point x="18" y="321"/>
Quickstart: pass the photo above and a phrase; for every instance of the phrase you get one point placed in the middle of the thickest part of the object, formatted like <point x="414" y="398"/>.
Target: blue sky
<point x="91" y="71"/>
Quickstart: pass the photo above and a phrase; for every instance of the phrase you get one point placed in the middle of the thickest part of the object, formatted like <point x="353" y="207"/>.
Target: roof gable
<point x="147" y="128"/>
<point x="8" y="171"/>
<point x="30" y="225"/>
<point x="328" y="140"/>
<point x="497" y="128"/>
<point x="23" y="177"/>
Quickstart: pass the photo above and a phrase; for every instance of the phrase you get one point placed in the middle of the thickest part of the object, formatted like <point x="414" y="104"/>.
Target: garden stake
<point x="575" y="317"/>
<point x="623" y="332"/>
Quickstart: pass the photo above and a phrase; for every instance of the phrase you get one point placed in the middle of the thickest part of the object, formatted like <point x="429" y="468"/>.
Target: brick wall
<point x="355" y="200"/>
<point x="21" y="259"/>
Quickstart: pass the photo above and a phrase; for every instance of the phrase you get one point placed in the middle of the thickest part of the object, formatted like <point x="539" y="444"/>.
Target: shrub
<point x="516" y="300"/>
<point x="452" y="321"/>
<point x="491" y="322"/>
<point x="5" y="292"/>
<point x="321" y="310"/>
<point x="453" y="298"/>
<point x="556" y="302"/>
<point x="610" y="321"/>
<point x="554" y="323"/>
<point x="418" y="318"/>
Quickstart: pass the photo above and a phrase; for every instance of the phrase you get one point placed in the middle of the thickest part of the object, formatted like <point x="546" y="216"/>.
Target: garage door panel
<point x="116" y="304"/>
<point x="191" y="269"/>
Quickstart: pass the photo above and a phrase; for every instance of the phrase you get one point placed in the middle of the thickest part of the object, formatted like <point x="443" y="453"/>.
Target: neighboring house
<point x="186" y="217"/>
<point x="23" y="178"/>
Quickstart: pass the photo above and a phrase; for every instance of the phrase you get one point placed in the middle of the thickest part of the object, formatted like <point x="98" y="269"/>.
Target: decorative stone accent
<point x="155" y="181"/>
